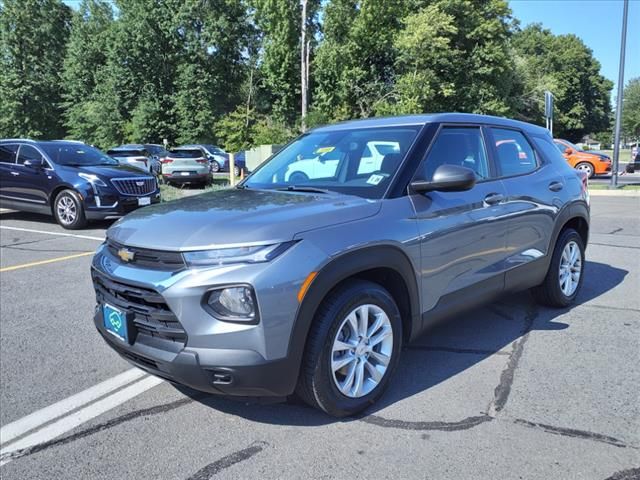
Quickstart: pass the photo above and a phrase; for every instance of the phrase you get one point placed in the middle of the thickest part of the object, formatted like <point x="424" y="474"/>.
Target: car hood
<point x="234" y="217"/>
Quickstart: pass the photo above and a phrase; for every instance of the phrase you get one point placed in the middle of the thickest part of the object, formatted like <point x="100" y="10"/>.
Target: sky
<point x="597" y="22"/>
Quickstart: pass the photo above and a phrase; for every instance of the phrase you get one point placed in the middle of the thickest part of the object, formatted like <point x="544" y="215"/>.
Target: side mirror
<point x="37" y="163"/>
<point x="447" y="178"/>
<point x="568" y="151"/>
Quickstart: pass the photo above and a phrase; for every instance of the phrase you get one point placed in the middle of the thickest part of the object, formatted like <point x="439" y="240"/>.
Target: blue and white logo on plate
<point x="114" y="321"/>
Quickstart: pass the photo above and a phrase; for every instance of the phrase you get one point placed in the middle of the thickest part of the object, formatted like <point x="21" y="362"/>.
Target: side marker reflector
<point x="305" y="286"/>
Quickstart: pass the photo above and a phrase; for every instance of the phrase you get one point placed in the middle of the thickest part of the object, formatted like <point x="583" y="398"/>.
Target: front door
<point x="31" y="184"/>
<point x="463" y="234"/>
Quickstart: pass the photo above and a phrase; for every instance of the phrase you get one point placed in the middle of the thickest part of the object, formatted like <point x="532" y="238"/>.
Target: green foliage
<point x="266" y="131"/>
<point x="234" y="129"/>
<point x="33" y="37"/>
<point x="564" y="65"/>
<point x="631" y="109"/>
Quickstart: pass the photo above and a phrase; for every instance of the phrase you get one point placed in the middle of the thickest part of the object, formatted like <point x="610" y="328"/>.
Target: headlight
<point x="92" y="179"/>
<point x="235" y="303"/>
<point x="224" y="256"/>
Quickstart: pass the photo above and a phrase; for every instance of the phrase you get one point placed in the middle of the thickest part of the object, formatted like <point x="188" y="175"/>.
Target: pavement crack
<point x="630" y="474"/>
<point x="145" y="412"/>
<point x="574" y="433"/>
<point x="464" y="424"/>
<point x="613" y="232"/>
<point x="502" y="391"/>
<point x="214" y="468"/>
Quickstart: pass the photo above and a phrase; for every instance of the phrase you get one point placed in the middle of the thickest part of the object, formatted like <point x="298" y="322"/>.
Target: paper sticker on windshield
<point x="322" y="150"/>
<point x="375" y="179"/>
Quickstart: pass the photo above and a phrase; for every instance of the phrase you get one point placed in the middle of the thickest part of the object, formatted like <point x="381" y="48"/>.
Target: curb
<point x="614" y="193"/>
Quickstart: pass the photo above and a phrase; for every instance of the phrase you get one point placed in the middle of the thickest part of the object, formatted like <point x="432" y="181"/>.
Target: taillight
<point x="166" y="160"/>
<point x="202" y="160"/>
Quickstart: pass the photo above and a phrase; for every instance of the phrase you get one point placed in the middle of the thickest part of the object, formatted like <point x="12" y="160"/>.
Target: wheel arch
<point x="59" y="188"/>
<point x="386" y="265"/>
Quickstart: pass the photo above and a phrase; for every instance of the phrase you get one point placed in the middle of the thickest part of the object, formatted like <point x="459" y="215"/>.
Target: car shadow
<point x="40" y="218"/>
<point x="448" y="349"/>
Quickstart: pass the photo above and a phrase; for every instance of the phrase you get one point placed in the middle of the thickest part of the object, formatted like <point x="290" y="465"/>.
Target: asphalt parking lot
<point x="508" y="391"/>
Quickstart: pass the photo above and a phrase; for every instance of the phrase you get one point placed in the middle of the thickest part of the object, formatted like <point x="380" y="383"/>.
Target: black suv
<point x="71" y="180"/>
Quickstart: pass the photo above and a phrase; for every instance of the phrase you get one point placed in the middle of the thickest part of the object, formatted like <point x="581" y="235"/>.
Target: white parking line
<point x="60" y="234"/>
<point x="59" y="427"/>
<point x="40" y="417"/>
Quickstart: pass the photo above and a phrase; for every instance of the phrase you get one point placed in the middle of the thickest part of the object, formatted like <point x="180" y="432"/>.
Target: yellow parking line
<point x="43" y="262"/>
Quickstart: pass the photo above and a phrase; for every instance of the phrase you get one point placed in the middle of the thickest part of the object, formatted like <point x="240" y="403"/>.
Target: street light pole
<point x="616" y="145"/>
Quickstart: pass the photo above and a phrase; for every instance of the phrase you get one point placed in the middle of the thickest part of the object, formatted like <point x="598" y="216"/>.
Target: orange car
<point x="590" y="163"/>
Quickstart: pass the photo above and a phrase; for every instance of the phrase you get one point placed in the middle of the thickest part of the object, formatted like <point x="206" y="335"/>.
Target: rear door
<point x="535" y="192"/>
<point x="462" y="234"/>
<point x="8" y="153"/>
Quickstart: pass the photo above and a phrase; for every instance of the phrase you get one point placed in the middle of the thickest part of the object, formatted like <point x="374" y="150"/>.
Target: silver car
<point x="277" y="287"/>
<point x="186" y="165"/>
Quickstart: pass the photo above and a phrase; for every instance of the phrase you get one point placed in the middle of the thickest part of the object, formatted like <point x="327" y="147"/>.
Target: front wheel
<point x="566" y="272"/>
<point x="352" y="350"/>
<point x="586" y="167"/>
<point x="68" y="210"/>
<point x="215" y="167"/>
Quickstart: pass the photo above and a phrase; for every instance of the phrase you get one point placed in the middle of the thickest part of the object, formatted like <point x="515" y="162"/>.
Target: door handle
<point x="556" y="186"/>
<point x="15" y="174"/>
<point x="494" y="198"/>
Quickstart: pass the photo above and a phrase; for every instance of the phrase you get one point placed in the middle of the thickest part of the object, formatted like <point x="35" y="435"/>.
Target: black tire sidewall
<point x="80" y="219"/>
<point x="325" y="390"/>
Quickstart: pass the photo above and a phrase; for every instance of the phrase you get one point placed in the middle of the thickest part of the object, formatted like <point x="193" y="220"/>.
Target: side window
<point x="27" y="152"/>
<point x="8" y="153"/>
<point x="515" y="155"/>
<point x="458" y="146"/>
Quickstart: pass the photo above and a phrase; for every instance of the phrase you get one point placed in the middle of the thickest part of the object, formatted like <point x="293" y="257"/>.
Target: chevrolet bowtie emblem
<point x="126" y="255"/>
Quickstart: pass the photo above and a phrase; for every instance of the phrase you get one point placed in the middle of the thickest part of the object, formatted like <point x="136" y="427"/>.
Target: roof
<point x="422" y="119"/>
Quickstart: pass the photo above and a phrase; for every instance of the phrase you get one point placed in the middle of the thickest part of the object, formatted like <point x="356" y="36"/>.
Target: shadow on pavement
<point x="37" y="219"/>
<point x="441" y="353"/>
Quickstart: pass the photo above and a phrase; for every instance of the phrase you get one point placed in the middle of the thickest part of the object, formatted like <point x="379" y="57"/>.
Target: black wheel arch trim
<point x="341" y="268"/>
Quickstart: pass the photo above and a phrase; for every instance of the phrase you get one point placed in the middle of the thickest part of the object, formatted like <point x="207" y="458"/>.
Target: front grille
<point x="147" y="258"/>
<point x="152" y="315"/>
<point x="137" y="186"/>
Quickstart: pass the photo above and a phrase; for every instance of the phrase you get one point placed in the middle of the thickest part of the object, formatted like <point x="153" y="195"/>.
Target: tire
<point x="68" y="210"/>
<point x="318" y="384"/>
<point x="549" y="292"/>
<point x="587" y="168"/>
<point x="630" y="168"/>
<point x="215" y="166"/>
<point x="236" y="170"/>
<point x="298" y="177"/>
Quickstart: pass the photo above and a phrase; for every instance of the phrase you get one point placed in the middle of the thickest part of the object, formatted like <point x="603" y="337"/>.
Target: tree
<point x="631" y="109"/>
<point x="33" y="36"/>
<point x="564" y="65"/>
<point x="87" y="49"/>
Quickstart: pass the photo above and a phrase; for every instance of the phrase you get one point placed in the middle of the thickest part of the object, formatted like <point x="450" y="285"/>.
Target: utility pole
<point x="304" y="64"/>
<point x="616" y="145"/>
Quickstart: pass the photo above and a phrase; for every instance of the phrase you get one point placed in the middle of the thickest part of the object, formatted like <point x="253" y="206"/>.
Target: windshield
<point x="562" y="146"/>
<point x="77" y="155"/>
<point x="341" y="161"/>
<point x="186" y="153"/>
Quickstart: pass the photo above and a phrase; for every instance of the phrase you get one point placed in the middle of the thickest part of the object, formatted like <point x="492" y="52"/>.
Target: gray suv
<point x="277" y="287"/>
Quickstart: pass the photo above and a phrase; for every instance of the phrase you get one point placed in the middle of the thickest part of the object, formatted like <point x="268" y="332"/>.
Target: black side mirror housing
<point x="37" y="164"/>
<point x="447" y="178"/>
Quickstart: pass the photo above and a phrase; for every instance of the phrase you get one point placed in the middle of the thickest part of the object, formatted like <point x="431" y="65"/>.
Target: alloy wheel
<point x="570" y="268"/>
<point x="67" y="211"/>
<point x="362" y="351"/>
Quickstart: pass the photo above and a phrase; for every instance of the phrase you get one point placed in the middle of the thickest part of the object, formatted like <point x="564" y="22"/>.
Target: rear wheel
<point x="352" y="349"/>
<point x="566" y="272"/>
<point x="587" y="168"/>
<point x="68" y="210"/>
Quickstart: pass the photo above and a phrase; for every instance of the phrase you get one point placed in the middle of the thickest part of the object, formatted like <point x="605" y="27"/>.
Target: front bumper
<point x="114" y="205"/>
<point x="182" y="343"/>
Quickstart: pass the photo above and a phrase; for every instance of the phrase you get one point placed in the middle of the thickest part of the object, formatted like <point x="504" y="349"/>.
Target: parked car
<point x="634" y="164"/>
<point x="136" y="156"/>
<point x="71" y="181"/>
<point x="186" y="165"/>
<point x="219" y="159"/>
<point x="322" y="162"/>
<point x="275" y="287"/>
<point x="591" y="163"/>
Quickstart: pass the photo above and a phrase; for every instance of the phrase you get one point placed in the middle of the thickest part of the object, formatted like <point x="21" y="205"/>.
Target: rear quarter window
<point x="550" y="152"/>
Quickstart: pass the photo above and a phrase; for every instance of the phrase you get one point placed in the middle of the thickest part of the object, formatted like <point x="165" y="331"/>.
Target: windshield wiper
<point x="296" y="188"/>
